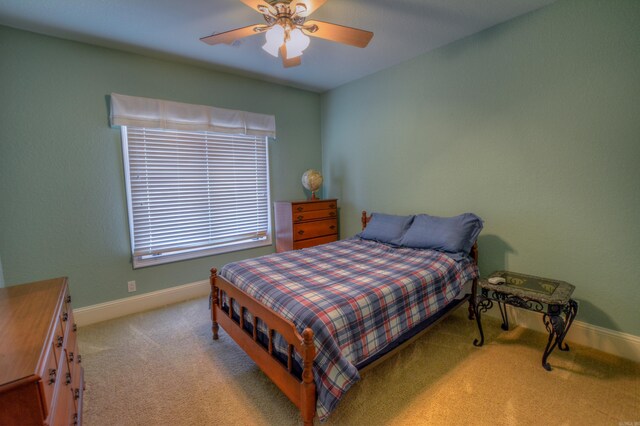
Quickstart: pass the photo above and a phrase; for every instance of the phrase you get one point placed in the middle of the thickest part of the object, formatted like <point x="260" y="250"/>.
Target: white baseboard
<point x="144" y="302"/>
<point x="614" y="342"/>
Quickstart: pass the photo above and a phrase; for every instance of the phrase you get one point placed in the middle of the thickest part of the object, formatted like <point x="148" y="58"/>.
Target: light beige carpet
<point x="162" y="368"/>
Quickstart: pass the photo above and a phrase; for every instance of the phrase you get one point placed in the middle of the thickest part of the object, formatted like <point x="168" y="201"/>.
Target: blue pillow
<point x="386" y="228"/>
<point x="454" y="235"/>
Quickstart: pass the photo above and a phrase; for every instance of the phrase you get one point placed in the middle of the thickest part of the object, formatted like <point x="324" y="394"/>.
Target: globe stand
<point x="313" y="196"/>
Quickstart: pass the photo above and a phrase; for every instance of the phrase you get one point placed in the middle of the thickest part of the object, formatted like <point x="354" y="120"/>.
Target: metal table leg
<point x="570" y="310"/>
<point x="557" y="326"/>
<point x="505" y="318"/>
<point x="479" y="307"/>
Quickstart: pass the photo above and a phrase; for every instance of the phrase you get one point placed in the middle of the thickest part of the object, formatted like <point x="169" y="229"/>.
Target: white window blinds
<point x="195" y="193"/>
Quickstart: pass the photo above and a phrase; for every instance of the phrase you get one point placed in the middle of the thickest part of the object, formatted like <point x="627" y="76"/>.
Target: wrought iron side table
<point x="550" y="297"/>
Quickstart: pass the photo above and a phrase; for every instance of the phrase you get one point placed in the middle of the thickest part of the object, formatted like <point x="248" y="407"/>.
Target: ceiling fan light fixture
<point x="297" y="43"/>
<point x="274" y="39"/>
<point x="287" y="29"/>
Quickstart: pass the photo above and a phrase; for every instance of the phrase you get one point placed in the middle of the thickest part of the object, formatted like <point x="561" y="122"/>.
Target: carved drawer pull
<point x="301" y="232"/>
<point x="332" y="227"/>
<point x="59" y="340"/>
<point x="75" y="419"/>
<point x="70" y="356"/>
<point x="300" y="217"/>
<point x="75" y="327"/>
<point x="79" y="358"/>
<point x="65" y="316"/>
<point x="76" y="394"/>
<point x="67" y="378"/>
<point x="331" y="206"/>
<point x="52" y="376"/>
<point x="68" y="300"/>
<point x="300" y="208"/>
<point x="332" y="213"/>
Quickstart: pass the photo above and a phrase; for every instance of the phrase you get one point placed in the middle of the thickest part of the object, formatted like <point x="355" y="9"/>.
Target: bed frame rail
<point x="301" y="393"/>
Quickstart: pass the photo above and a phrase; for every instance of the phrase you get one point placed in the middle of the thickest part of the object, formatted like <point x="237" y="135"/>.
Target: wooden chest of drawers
<point x="41" y="378"/>
<point x="301" y="224"/>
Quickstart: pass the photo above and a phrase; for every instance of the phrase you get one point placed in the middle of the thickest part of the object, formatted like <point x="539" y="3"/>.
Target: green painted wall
<point x="63" y="209"/>
<point x="534" y="125"/>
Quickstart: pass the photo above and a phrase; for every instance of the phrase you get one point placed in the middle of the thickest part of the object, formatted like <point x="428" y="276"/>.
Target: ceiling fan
<point x="287" y="29"/>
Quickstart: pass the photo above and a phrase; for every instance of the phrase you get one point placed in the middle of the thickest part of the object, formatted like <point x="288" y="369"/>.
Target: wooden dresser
<point x="302" y="224"/>
<point x="41" y="378"/>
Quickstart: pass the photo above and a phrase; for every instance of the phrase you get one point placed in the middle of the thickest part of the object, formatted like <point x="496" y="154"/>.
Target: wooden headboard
<point x="365" y="219"/>
<point x="473" y="253"/>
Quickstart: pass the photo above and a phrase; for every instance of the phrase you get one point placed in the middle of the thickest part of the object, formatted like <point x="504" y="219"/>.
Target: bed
<point x="313" y="319"/>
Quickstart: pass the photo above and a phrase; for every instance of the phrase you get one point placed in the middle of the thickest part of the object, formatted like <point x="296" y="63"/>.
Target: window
<point x="194" y="193"/>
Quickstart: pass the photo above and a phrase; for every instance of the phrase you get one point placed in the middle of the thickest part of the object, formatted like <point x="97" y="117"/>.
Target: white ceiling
<point x="172" y="28"/>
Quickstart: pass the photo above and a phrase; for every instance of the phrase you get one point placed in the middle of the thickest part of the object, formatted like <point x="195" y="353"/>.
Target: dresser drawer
<point x="314" y="215"/>
<point x="311" y="206"/>
<point x="314" y="242"/>
<point x="70" y="334"/>
<point x="63" y="407"/>
<point x="50" y="376"/>
<point x="303" y="231"/>
<point x="58" y="341"/>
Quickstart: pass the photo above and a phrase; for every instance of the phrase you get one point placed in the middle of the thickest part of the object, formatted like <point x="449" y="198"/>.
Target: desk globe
<point x="312" y="180"/>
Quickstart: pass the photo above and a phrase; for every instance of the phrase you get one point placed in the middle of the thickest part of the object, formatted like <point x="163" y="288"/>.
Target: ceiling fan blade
<point x="257" y="5"/>
<point x="310" y="4"/>
<point x="338" y="33"/>
<point x="288" y="63"/>
<point x="229" y="37"/>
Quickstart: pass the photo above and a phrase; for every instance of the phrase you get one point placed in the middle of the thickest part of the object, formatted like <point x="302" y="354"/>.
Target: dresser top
<point x="27" y="314"/>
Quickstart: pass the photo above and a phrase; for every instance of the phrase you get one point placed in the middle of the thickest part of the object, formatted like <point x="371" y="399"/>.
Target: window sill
<point x="170" y="258"/>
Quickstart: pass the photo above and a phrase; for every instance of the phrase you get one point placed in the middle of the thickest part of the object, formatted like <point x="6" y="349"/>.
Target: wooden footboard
<point x="301" y="392"/>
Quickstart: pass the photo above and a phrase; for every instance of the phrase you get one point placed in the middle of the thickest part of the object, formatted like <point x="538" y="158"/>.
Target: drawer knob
<point x="52" y="376"/>
<point x="70" y="356"/>
<point x="331" y="206"/>
<point x="332" y="213"/>
<point x="75" y="327"/>
<point x="76" y="394"/>
<point x="67" y="378"/>
<point x="300" y="217"/>
<point x="332" y="227"/>
<point x="65" y="316"/>
<point x="79" y="358"/>
<point x="59" y="340"/>
<point x="68" y="299"/>
<point x="300" y="232"/>
<point x="300" y="208"/>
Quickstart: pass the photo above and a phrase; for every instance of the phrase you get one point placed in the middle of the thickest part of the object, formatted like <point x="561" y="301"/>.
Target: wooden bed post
<point x="214" y="303"/>
<point x="308" y="406"/>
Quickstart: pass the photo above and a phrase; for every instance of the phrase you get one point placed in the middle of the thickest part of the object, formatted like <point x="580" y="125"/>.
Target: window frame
<point x="188" y="254"/>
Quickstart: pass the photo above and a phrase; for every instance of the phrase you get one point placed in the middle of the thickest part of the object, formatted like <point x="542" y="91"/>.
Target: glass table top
<point x="539" y="285"/>
<point x="531" y="287"/>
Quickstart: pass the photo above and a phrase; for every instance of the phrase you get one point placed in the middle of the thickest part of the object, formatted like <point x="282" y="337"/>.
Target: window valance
<point x="160" y="114"/>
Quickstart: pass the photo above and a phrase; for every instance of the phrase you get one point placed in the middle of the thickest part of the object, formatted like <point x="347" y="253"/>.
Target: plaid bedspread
<point x="357" y="296"/>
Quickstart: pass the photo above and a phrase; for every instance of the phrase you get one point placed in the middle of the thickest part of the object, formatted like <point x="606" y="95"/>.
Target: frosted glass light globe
<point x="298" y="41"/>
<point x="274" y="38"/>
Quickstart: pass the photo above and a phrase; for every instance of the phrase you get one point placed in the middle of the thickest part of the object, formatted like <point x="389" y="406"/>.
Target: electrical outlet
<point x="131" y="286"/>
